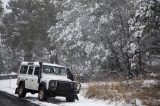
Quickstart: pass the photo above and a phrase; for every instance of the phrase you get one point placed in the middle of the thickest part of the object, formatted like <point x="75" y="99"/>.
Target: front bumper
<point x="63" y="88"/>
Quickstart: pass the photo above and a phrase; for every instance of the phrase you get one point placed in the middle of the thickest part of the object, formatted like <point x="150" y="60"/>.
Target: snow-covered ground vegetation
<point x="136" y="92"/>
<point x="131" y="93"/>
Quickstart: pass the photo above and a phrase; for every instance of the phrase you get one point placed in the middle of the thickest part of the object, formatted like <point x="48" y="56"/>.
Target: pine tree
<point x="27" y="25"/>
<point x="146" y="26"/>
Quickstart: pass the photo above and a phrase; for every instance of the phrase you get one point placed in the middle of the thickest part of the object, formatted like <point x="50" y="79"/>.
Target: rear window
<point x="23" y="69"/>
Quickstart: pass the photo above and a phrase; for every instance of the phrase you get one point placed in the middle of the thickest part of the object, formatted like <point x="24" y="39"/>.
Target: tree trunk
<point x="28" y="56"/>
<point x="54" y="59"/>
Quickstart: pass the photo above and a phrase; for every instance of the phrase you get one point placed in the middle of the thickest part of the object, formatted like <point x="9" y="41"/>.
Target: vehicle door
<point x="34" y="82"/>
<point x="28" y="81"/>
<point x="23" y="73"/>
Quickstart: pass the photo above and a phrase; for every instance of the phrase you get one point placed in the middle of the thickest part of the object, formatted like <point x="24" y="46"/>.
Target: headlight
<point x="53" y="85"/>
<point x="75" y="85"/>
<point x="78" y="86"/>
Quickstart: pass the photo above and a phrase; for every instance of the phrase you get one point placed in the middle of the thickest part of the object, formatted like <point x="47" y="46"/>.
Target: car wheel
<point x="42" y="96"/>
<point x="70" y="99"/>
<point x="21" y="91"/>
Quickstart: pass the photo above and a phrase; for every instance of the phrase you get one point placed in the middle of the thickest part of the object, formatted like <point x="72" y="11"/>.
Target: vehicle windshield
<point x="54" y="70"/>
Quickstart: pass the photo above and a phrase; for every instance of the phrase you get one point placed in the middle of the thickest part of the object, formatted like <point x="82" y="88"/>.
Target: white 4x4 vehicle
<point x="48" y="80"/>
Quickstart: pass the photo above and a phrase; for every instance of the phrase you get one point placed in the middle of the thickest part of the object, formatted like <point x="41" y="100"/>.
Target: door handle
<point x="32" y="80"/>
<point x="26" y="79"/>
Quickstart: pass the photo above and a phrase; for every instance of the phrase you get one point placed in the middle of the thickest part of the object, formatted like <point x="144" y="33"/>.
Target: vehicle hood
<point x="55" y="77"/>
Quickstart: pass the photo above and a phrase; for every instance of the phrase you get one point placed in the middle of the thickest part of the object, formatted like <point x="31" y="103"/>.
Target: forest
<point x="94" y="38"/>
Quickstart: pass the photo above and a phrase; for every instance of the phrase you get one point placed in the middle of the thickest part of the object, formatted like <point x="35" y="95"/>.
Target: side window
<point x="36" y="72"/>
<point x="48" y="69"/>
<point x="24" y="69"/>
<point x="30" y="71"/>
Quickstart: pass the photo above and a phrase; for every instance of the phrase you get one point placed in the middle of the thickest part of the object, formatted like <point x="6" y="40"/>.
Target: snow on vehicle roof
<point x="37" y="64"/>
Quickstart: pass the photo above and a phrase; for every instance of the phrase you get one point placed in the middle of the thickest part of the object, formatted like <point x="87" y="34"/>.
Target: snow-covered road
<point x="10" y="85"/>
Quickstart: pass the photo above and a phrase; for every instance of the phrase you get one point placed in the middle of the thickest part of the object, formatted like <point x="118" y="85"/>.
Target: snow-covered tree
<point x="146" y="27"/>
<point x="1" y="9"/>
<point x="25" y="31"/>
<point x="26" y="27"/>
<point x="90" y="32"/>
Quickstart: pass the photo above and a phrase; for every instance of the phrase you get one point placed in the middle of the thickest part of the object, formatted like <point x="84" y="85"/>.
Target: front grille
<point x="64" y="86"/>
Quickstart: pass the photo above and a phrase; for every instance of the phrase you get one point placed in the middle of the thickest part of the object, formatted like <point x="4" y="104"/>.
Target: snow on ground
<point x="10" y="85"/>
<point x="12" y="73"/>
<point x="148" y="83"/>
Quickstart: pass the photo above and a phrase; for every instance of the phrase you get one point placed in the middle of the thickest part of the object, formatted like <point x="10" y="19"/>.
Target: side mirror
<point x="69" y="74"/>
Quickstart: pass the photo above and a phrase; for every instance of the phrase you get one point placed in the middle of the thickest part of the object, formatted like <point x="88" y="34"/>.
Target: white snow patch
<point x="133" y="47"/>
<point x="5" y="3"/>
<point x="8" y="85"/>
<point x="104" y="19"/>
<point x="89" y="47"/>
<point x="138" y="102"/>
<point x="154" y="75"/>
<point x="12" y="73"/>
<point x="148" y="83"/>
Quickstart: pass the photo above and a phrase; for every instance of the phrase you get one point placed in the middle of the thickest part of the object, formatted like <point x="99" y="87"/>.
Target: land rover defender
<point x="48" y="80"/>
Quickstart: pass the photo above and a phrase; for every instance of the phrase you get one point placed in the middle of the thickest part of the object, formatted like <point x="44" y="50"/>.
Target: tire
<point x="70" y="99"/>
<point x="21" y="91"/>
<point x="42" y="95"/>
